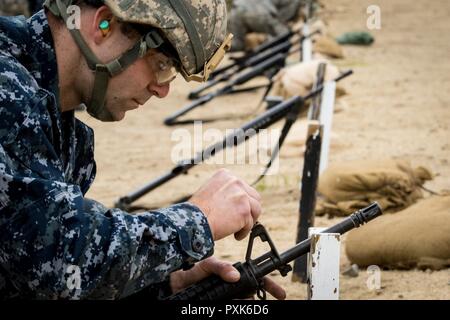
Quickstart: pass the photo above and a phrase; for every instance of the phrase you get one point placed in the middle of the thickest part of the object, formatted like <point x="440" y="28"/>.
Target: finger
<point x="255" y="207"/>
<point x="250" y="190"/>
<point x="274" y="289"/>
<point x="241" y="234"/>
<point x="223" y="269"/>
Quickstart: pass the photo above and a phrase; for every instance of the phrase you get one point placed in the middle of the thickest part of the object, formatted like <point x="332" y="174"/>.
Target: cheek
<point x="140" y="74"/>
<point x="125" y="83"/>
<point x="132" y="82"/>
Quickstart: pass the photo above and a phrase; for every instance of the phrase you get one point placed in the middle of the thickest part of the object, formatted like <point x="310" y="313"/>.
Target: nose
<point x="160" y="90"/>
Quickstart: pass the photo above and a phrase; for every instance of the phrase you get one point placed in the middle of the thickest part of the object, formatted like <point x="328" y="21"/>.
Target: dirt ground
<point x="396" y="107"/>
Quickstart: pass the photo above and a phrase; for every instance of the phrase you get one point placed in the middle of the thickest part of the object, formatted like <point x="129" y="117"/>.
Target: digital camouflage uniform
<point x="288" y="9"/>
<point x="261" y="16"/>
<point x="50" y="233"/>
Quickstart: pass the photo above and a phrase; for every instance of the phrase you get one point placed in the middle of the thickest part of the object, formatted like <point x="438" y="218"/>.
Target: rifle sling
<point x="291" y="117"/>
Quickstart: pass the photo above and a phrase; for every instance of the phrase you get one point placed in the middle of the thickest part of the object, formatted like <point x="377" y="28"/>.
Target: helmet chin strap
<point x="104" y="72"/>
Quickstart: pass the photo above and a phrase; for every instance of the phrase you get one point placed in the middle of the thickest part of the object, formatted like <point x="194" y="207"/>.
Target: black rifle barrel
<point x="244" y="77"/>
<point x="274" y="41"/>
<point x="282" y="44"/>
<point x="251" y="62"/>
<point x="263" y="47"/>
<point x="355" y="220"/>
<point x="252" y="271"/>
<point x="249" y="129"/>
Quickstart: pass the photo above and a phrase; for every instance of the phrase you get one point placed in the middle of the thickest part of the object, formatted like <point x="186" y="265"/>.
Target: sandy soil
<point x="396" y="108"/>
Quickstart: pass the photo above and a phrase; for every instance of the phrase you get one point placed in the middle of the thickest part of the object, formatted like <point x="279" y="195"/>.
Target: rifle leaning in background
<point x="288" y="109"/>
<point x="253" y="271"/>
<point x="259" y="49"/>
<point x="276" y="62"/>
<point x="250" y="61"/>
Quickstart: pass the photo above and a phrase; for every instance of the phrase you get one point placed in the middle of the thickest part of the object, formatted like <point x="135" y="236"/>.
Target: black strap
<point x="291" y="117"/>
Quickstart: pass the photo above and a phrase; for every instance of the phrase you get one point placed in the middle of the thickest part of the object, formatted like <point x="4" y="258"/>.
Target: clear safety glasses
<point x="164" y="68"/>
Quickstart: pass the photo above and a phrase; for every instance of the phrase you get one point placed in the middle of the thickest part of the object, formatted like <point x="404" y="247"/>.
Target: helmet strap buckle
<point x="153" y="39"/>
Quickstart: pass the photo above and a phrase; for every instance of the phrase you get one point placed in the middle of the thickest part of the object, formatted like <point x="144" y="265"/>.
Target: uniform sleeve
<point x="57" y="248"/>
<point x="56" y="244"/>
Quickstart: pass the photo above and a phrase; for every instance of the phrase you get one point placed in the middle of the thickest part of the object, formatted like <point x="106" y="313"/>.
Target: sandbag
<point x="299" y="78"/>
<point x="327" y="46"/>
<point x="346" y="187"/>
<point x="254" y="39"/>
<point x="418" y="236"/>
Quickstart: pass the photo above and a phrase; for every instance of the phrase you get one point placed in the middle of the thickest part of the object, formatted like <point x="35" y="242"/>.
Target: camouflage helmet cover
<point x="197" y="29"/>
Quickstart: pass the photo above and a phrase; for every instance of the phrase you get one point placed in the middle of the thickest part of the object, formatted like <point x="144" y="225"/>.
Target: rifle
<point x="262" y="47"/>
<point x="288" y="108"/>
<point x="276" y="61"/>
<point x="244" y="63"/>
<point x="253" y="271"/>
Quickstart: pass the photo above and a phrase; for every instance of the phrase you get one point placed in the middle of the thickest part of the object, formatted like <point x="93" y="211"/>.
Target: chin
<point x="119" y="116"/>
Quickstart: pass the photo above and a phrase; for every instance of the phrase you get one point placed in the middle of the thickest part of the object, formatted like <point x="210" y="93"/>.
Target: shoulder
<point x="13" y="34"/>
<point x="20" y="95"/>
<point x="17" y="82"/>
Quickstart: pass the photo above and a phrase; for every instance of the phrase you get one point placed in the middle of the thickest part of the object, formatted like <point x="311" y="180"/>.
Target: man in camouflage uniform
<point x="262" y="16"/>
<point x="55" y="243"/>
<point x="14" y="8"/>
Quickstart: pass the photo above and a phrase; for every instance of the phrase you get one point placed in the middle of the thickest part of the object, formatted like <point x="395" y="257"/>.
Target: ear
<point x="103" y="13"/>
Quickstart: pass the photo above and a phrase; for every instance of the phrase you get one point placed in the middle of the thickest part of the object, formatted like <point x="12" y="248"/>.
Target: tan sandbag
<point x="346" y="187"/>
<point x="418" y="236"/>
<point x="299" y="78"/>
<point x="319" y="25"/>
<point x="327" y="46"/>
<point x="253" y="40"/>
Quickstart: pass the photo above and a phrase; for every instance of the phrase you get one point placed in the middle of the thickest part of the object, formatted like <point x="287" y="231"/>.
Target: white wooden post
<point x="306" y="45"/>
<point x="326" y="119"/>
<point x="323" y="265"/>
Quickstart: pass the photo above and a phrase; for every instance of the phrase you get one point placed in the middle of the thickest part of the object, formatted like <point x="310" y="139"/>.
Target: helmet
<point x="196" y="29"/>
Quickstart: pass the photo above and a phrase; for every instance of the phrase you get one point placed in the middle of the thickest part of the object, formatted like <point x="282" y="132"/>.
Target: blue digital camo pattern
<point x="50" y="235"/>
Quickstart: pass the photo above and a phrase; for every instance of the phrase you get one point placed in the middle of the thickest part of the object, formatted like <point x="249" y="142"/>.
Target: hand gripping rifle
<point x="287" y="109"/>
<point x="253" y="271"/>
<point x="247" y="62"/>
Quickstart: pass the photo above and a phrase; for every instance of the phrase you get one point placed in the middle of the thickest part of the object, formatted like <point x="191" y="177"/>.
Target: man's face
<point x="136" y="85"/>
<point x="145" y="78"/>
